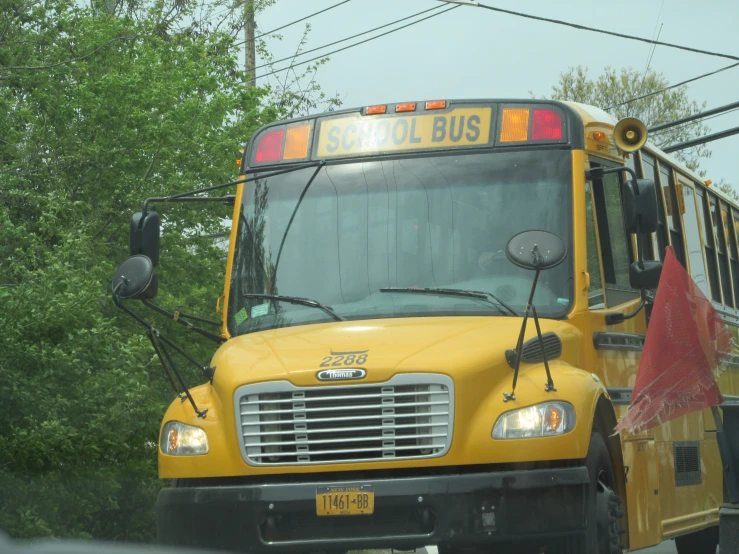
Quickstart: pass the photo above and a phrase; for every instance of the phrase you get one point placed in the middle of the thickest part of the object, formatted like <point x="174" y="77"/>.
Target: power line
<point x="701" y="140"/>
<point x="611" y="33"/>
<point x="347" y="38"/>
<point x="702" y="115"/>
<point x="360" y="42"/>
<point x="649" y="57"/>
<point x="654" y="48"/>
<point x="720" y="114"/>
<point x="643" y="96"/>
<point x="299" y="20"/>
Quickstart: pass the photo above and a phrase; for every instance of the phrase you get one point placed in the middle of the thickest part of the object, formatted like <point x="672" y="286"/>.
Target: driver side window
<point x="595" y="292"/>
<point x="615" y="246"/>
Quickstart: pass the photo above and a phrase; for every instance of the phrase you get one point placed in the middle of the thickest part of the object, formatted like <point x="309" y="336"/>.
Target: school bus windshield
<point x="439" y="221"/>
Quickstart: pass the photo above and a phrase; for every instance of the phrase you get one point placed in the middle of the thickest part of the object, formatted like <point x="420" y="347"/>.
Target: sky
<point x="471" y="52"/>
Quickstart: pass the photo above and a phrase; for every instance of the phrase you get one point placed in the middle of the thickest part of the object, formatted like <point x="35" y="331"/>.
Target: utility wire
<point x="347" y="38"/>
<point x="706" y="114"/>
<point x="660" y="91"/>
<point x="299" y="20"/>
<point x="649" y="61"/>
<point x="602" y="31"/>
<point x="719" y="114"/>
<point x="361" y="42"/>
<point x="649" y="57"/>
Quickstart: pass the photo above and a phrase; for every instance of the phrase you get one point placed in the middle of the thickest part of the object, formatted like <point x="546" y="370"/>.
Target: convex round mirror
<point x="536" y="250"/>
<point x="135" y="278"/>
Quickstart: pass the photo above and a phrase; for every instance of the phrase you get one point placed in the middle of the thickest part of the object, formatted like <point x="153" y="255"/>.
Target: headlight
<point x="180" y="439"/>
<point x="542" y="420"/>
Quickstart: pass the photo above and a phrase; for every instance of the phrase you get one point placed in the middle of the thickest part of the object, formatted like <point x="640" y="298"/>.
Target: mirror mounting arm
<point x="618" y="317"/>
<point x="178" y="319"/>
<point x="530" y="308"/>
<point x="189" y="196"/>
<point x="158" y="341"/>
<point x="597" y="172"/>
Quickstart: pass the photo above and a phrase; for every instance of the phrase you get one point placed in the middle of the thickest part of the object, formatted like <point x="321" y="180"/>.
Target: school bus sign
<point x="355" y="134"/>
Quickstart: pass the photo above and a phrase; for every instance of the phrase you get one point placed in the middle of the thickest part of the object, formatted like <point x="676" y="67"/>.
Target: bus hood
<point x="461" y="347"/>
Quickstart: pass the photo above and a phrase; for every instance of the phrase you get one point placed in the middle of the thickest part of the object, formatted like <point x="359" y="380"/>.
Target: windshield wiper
<point x="300" y="301"/>
<point x="478" y="294"/>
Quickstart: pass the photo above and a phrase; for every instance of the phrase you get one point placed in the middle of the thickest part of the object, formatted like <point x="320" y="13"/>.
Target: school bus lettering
<point x="368" y="134"/>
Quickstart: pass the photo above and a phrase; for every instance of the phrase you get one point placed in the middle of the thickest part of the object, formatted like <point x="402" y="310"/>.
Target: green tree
<point x="102" y="107"/>
<point x="612" y="89"/>
<point x="727" y="189"/>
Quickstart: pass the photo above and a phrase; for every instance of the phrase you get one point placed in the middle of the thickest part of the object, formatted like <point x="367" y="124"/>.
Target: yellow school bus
<point x="363" y="396"/>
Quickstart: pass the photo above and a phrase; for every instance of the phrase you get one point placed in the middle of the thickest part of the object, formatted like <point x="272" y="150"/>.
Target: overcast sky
<point x="476" y="53"/>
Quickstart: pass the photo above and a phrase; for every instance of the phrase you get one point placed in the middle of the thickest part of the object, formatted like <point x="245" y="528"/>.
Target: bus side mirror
<point x="645" y="275"/>
<point x="135" y="279"/>
<point x="640" y="206"/>
<point x="144" y="236"/>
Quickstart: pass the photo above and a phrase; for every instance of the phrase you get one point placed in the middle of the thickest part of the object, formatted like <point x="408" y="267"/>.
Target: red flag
<point x="682" y="353"/>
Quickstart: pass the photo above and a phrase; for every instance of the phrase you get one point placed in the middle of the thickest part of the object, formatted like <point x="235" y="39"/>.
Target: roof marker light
<point x="405" y="107"/>
<point x="436" y="104"/>
<point x="372" y="110"/>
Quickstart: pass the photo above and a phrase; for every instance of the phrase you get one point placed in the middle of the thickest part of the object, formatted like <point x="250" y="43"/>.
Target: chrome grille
<point x="408" y="417"/>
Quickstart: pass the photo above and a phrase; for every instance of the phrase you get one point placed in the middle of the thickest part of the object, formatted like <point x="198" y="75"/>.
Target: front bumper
<point x="409" y="512"/>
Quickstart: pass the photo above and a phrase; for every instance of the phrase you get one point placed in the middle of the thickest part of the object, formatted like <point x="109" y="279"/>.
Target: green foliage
<point x="100" y="108"/>
<point x="726" y="188"/>
<point x="613" y="87"/>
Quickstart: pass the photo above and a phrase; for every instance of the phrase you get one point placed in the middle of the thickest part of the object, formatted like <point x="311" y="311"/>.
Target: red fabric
<point x="682" y="353"/>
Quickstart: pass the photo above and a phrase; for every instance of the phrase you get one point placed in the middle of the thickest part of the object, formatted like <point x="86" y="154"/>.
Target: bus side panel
<point x="689" y="499"/>
<point x="642" y="488"/>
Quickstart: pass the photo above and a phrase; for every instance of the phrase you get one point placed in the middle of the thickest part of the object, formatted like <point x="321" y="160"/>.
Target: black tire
<point x="700" y="542"/>
<point x="603" y="534"/>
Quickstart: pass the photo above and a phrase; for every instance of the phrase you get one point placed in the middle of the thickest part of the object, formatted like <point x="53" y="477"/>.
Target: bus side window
<point x="614" y="244"/>
<point x="709" y="244"/>
<point x="691" y="219"/>
<point x="728" y="245"/>
<point x="731" y="220"/>
<point x="660" y="240"/>
<point x="595" y="291"/>
<point x="721" y="252"/>
<point x="650" y="245"/>
<point x="675" y="207"/>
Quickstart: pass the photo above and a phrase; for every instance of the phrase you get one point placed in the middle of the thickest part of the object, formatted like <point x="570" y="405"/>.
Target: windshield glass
<point x="439" y="222"/>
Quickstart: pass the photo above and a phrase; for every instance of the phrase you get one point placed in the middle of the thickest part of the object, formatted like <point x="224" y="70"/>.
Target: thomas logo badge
<point x="341" y="374"/>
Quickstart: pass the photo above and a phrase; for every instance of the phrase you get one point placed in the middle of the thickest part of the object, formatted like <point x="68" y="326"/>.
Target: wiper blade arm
<point x="299" y="301"/>
<point x="480" y="295"/>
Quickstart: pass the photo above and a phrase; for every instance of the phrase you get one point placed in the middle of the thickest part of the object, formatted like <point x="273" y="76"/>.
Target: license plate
<point x="345" y="501"/>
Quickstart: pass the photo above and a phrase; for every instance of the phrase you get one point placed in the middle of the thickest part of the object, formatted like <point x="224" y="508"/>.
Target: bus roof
<point x="418" y="126"/>
<point x="415" y="127"/>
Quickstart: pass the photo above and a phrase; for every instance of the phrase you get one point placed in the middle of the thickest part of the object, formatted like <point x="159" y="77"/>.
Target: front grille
<point x="408" y="417"/>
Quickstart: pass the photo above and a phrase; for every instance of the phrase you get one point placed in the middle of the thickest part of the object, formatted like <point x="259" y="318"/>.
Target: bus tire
<point x="704" y="541"/>
<point x="603" y="525"/>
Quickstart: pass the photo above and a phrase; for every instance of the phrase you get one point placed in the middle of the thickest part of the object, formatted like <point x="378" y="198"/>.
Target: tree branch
<point x="66" y="62"/>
